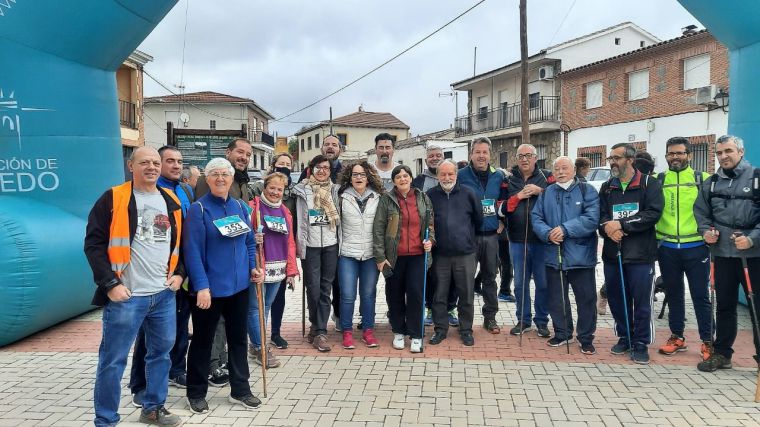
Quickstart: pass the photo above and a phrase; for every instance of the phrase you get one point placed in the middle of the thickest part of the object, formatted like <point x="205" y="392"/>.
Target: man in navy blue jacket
<point x="565" y="218"/>
<point x="458" y="214"/>
<point x="491" y="189"/>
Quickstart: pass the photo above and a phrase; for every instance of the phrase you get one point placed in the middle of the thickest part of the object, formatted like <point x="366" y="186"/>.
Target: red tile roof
<point x="206" y="97"/>
<point x="362" y="119"/>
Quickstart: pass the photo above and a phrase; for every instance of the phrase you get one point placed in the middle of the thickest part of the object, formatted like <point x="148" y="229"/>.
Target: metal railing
<point x="545" y="108"/>
<point x="127" y="114"/>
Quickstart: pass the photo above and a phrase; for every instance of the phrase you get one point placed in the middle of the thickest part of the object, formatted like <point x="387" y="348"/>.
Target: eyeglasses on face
<point x="676" y="154"/>
<point x="525" y="156"/>
<point x="358" y="175"/>
<point x="322" y="168"/>
<point x="215" y="175"/>
<point x="615" y="158"/>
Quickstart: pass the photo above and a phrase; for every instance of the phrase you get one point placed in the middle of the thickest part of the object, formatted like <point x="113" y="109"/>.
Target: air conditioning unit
<point x="706" y="94"/>
<point x="546" y="72"/>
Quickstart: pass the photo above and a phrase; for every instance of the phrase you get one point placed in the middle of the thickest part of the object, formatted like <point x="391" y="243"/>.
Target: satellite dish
<point x="184" y="117"/>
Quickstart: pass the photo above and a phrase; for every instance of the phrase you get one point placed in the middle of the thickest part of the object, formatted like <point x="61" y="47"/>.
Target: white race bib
<point x="231" y="226"/>
<point x="624" y="210"/>
<point x="489" y="207"/>
<point x="276" y="223"/>
<point x="318" y="218"/>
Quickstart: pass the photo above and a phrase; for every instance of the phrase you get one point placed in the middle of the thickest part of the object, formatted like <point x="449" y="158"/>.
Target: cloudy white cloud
<point x="289" y="53"/>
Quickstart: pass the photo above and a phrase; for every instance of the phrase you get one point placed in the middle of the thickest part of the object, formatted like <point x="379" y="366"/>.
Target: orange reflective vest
<point x="119" y="248"/>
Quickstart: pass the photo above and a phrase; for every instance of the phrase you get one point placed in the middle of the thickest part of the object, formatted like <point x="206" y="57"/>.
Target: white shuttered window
<point x="638" y="85"/>
<point x="594" y="95"/>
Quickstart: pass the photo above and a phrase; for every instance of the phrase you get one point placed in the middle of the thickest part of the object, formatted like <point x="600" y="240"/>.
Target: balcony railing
<point x="545" y="108"/>
<point x="127" y="111"/>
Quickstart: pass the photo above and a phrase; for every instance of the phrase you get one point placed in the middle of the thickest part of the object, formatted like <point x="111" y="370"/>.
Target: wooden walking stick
<point x="260" y="301"/>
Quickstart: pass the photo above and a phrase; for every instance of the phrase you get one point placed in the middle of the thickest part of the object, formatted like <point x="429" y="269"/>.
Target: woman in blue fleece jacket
<point x="218" y="244"/>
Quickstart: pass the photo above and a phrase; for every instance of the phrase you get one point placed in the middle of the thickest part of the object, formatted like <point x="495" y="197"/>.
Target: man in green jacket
<point x="682" y="249"/>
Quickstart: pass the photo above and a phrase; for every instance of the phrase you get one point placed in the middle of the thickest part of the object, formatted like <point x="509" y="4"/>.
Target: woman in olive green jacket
<point x="403" y="217"/>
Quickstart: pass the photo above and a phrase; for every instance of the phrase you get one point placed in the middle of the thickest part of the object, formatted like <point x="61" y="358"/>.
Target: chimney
<point x="689" y="30"/>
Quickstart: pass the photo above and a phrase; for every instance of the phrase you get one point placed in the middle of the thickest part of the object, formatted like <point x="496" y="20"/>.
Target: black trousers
<point x="404" y="292"/>
<point x="278" y="308"/>
<point x="319" y="271"/>
<point x="454" y="272"/>
<point x="583" y="283"/>
<point x="505" y="265"/>
<point x="729" y="273"/>
<point x="451" y="302"/>
<point x="234" y="309"/>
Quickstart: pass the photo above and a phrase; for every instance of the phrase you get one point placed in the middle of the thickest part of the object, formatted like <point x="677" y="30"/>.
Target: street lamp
<point x="721" y="99"/>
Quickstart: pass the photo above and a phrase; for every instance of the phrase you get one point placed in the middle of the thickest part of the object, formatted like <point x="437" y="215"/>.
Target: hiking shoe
<point x="715" y="362"/>
<point x="453" y="320"/>
<point x="348" y="340"/>
<point x="416" y="346"/>
<point x="428" y="317"/>
<point x="601" y="305"/>
<point x="491" y="326"/>
<point x="621" y="347"/>
<point x="467" y="339"/>
<point x="279" y="342"/>
<point x="180" y="381"/>
<point x="137" y="399"/>
<point x="437" y="338"/>
<point x="398" y="341"/>
<point x="640" y="354"/>
<point x="160" y="417"/>
<point x="557" y="342"/>
<point x="368" y="338"/>
<point x="674" y="344"/>
<point x="543" y="331"/>
<point x="520" y="328"/>
<point x="707" y="350"/>
<point x="197" y="406"/>
<point x="248" y="402"/>
<point x="218" y="378"/>
<point x="272" y="361"/>
<point x="336" y="319"/>
<point x="321" y="344"/>
<point x="506" y="297"/>
<point x="310" y="336"/>
<point x="588" y="349"/>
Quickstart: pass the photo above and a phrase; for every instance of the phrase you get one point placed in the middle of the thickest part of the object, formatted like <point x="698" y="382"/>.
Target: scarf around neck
<point x="323" y="199"/>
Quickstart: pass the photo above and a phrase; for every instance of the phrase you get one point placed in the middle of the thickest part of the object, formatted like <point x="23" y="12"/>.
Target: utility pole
<point x="524" y="71"/>
<point x="474" y="61"/>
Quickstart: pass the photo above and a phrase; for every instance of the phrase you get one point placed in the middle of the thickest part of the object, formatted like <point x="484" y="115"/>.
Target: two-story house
<point x="356" y="131"/>
<point x="129" y="87"/>
<point x="494" y="97"/>
<point x="208" y="112"/>
<point x="413" y="150"/>
<point x="647" y="96"/>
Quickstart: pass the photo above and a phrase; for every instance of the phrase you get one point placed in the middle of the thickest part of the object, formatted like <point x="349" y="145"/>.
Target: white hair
<point x="433" y="148"/>
<point x="218" y="163"/>
<point x="731" y="138"/>
<point x="532" y="148"/>
<point x="554" y="163"/>
<point x="448" y="162"/>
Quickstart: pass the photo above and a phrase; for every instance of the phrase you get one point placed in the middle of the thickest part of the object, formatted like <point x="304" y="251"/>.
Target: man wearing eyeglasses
<point x="526" y="183"/>
<point x="630" y="205"/>
<point x="682" y="249"/>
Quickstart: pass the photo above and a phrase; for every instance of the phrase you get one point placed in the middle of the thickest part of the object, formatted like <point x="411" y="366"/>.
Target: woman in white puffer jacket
<point x="360" y="193"/>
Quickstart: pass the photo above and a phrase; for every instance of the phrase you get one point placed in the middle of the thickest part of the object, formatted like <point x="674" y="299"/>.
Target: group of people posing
<point x="164" y="248"/>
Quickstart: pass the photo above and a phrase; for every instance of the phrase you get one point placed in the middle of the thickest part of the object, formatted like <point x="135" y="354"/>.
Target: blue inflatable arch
<point x="60" y="146"/>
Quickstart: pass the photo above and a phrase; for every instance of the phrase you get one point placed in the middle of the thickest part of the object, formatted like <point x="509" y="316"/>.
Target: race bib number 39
<point x="276" y="223"/>
<point x="317" y="217"/>
<point x="624" y="210"/>
<point x="231" y="226"/>
<point x="489" y="207"/>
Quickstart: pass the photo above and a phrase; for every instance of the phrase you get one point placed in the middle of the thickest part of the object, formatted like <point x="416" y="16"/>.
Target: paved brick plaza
<point x="47" y="379"/>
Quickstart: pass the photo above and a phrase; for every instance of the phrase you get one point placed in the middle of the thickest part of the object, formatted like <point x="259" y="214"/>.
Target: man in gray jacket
<point x="728" y="217"/>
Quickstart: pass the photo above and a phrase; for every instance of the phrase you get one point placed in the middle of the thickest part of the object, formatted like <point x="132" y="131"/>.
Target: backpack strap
<point x="698" y="179"/>
<point x="188" y="191"/>
<point x="661" y="177"/>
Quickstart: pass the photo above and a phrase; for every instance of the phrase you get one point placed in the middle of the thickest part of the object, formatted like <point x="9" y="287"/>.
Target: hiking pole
<point x="752" y="312"/>
<point x="424" y="292"/>
<point x="625" y="300"/>
<point x="712" y="300"/>
<point x="260" y="301"/>
<point x="525" y="268"/>
<point x="564" y="296"/>
<point x="303" y="308"/>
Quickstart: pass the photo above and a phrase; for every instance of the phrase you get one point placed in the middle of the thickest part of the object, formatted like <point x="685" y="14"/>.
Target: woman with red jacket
<point x="273" y="224"/>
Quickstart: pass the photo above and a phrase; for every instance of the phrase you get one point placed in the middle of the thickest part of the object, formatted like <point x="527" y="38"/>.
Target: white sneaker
<point x="336" y="320"/>
<point x="416" y="346"/>
<point x="398" y="341"/>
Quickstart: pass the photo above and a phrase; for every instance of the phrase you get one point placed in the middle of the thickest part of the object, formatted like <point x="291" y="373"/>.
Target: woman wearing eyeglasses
<point x="318" y="224"/>
<point x="360" y="193"/>
<point x="220" y="257"/>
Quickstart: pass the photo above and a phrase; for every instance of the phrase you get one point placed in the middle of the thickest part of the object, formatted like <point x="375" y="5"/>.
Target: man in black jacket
<point x="458" y="214"/>
<point x="631" y="203"/>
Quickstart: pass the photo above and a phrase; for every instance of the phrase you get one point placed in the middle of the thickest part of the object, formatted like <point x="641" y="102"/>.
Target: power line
<point x="561" y="22"/>
<point x="383" y="64"/>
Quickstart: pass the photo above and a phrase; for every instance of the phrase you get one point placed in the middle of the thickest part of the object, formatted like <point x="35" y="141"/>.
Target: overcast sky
<point x="286" y="54"/>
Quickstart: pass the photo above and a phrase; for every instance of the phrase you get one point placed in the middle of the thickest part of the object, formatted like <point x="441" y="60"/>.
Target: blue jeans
<point x="270" y="292"/>
<point x="121" y="321"/>
<point x="534" y="267"/>
<point x="351" y="270"/>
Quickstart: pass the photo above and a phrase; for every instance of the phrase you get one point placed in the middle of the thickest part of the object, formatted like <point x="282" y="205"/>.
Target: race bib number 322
<point x="231" y="226"/>
<point x="624" y="210"/>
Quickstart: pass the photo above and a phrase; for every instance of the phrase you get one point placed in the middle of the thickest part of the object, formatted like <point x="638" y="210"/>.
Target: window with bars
<point x="595" y="154"/>
<point x="699" y="157"/>
<point x="212" y="124"/>
<point x="541" y="156"/>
